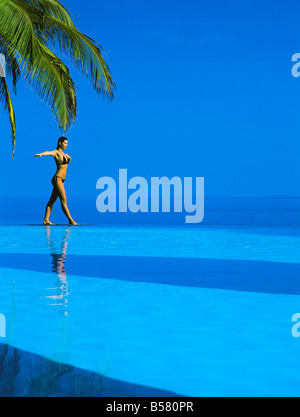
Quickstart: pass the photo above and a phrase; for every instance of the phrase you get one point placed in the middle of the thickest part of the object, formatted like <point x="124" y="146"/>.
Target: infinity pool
<point x="139" y="311"/>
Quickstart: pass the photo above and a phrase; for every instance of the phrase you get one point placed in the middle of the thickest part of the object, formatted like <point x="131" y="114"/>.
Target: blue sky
<point x="204" y="88"/>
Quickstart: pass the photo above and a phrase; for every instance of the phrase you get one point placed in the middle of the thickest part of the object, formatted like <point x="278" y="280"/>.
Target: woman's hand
<point x="52" y="153"/>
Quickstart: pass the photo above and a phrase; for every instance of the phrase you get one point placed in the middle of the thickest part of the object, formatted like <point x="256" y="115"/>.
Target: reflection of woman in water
<point x="58" y="266"/>
<point x="62" y="161"/>
<point x="60" y="300"/>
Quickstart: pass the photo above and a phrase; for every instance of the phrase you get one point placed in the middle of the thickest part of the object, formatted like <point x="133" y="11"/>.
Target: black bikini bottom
<point x="54" y="180"/>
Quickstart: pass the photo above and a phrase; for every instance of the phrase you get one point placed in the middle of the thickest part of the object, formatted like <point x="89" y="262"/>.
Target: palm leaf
<point x="50" y="79"/>
<point x="82" y="50"/>
<point x="53" y="8"/>
<point x="27" y="29"/>
<point x="7" y="103"/>
<point x="17" y="30"/>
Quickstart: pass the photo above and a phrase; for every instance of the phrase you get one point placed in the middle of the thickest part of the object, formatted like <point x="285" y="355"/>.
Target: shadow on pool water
<point x="24" y="374"/>
<point x="234" y="275"/>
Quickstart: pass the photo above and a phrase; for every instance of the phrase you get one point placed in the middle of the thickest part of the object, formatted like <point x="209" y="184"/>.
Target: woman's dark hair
<point x="60" y="141"/>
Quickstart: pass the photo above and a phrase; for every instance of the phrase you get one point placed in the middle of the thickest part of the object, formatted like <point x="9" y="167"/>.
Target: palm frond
<point x="51" y="81"/>
<point x="53" y="8"/>
<point x="17" y="30"/>
<point x="28" y="29"/>
<point x="83" y="51"/>
<point x="7" y="103"/>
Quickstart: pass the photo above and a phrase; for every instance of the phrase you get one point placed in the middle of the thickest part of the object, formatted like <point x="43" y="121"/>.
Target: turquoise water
<point x="150" y="309"/>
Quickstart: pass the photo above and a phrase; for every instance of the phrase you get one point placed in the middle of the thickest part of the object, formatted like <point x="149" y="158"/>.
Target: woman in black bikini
<point x="62" y="161"/>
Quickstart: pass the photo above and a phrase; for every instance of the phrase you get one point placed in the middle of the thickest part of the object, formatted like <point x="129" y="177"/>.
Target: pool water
<point x="149" y="311"/>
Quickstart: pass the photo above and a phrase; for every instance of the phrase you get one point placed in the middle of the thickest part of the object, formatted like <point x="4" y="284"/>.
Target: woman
<point x="62" y="161"/>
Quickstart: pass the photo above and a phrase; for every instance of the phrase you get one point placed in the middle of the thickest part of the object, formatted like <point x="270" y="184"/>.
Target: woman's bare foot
<point x="72" y="223"/>
<point x="48" y="223"/>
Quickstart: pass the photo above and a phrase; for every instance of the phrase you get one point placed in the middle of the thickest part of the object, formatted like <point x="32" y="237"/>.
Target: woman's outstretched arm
<point x="52" y="153"/>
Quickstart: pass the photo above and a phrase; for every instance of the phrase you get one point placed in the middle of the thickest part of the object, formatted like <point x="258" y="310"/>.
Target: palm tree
<point x="28" y="29"/>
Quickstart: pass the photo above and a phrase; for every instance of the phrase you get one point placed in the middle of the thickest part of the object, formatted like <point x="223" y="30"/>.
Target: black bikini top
<point x="64" y="162"/>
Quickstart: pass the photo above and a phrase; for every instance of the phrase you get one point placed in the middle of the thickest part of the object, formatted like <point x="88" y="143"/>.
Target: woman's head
<point x="62" y="143"/>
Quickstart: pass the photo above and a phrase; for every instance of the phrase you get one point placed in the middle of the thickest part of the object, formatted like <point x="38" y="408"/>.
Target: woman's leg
<point x="63" y="199"/>
<point x="50" y="205"/>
